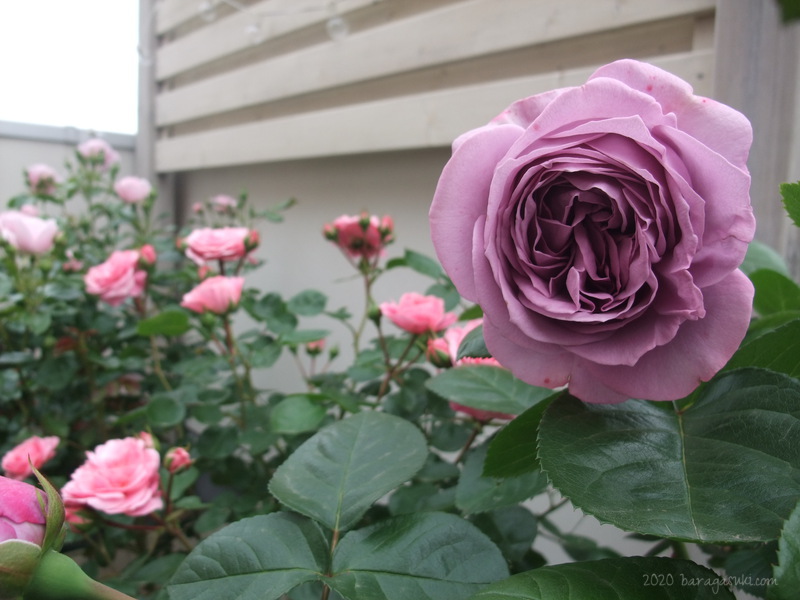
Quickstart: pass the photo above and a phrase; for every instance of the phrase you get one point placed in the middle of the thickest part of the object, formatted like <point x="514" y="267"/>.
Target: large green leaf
<point x="476" y="493"/>
<point x="336" y="475"/>
<point x="774" y="293"/>
<point x="776" y="350"/>
<point x="787" y="571"/>
<point x="486" y="387"/>
<point x="761" y="256"/>
<point x="169" y="322"/>
<point x="296" y="414"/>
<point x="428" y="556"/>
<point x="260" y="558"/>
<point x="631" y="578"/>
<point x="725" y="469"/>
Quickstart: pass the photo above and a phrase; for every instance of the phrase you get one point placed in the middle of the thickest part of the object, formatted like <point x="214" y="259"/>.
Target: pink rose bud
<point x="42" y="179"/>
<point x="21" y="516"/>
<point x="34" y="451"/>
<point x="218" y="295"/>
<point x="315" y="348"/>
<point x="29" y="209"/>
<point x="117" y="279"/>
<point x="147" y="255"/>
<point x="118" y="477"/>
<point x="224" y="203"/>
<point x="98" y="153"/>
<point x="252" y="241"/>
<point x="133" y="190"/>
<point x="197" y="208"/>
<point x="71" y="265"/>
<point x="203" y="271"/>
<point x="484" y="416"/>
<point x="224" y="243"/>
<point x="147" y="438"/>
<point x="418" y="314"/>
<point x="361" y="236"/>
<point x="177" y="459"/>
<point x="437" y="353"/>
<point x="28" y="234"/>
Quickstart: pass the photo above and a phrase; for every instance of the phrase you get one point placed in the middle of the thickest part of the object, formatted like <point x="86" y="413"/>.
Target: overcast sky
<point x="70" y="63"/>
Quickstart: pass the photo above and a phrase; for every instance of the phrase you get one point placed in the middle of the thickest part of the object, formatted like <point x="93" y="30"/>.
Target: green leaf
<point x="260" y="558"/>
<point x="165" y="411"/>
<point x="476" y="493"/>
<point x="777" y="350"/>
<point x="217" y="442"/>
<point x="336" y="475"/>
<point x="791" y="200"/>
<point x="513" y="450"/>
<point x="513" y="529"/>
<point x="750" y="569"/>
<point x="423" y="264"/>
<point x="308" y="303"/>
<point x="761" y="256"/>
<point x="787" y="571"/>
<point x="429" y="556"/>
<point x="717" y="471"/>
<point x="273" y="310"/>
<point x="629" y="578"/>
<point x="169" y="323"/>
<point x="473" y="345"/>
<point x="775" y="292"/>
<point x="304" y="336"/>
<point x="38" y="322"/>
<point x="486" y="387"/>
<point x="296" y="414"/>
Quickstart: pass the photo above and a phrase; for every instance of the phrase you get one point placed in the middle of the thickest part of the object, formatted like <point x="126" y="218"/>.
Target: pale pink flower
<point x="177" y="459"/>
<point x="72" y="264"/>
<point x="118" y="477"/>
<point x="42" y="179"/>
<point x="117" y="279"/>
<point x="98" y="152"/>
<point x="197" y="207"/>
<point x="418" y="314"/>
<point x="28" y="234"/>
<point x="29" y="209"/>
<point x="360" y="236"/>
<point x="224" y="203"/>
<point x="218" y="294"/>
<point x="133" y="190"/>
<point x="34" y="451"/>
<point x="224" y="243"/>
<point x="147" y="438"/>
<point x="21" y="515"/>
<point x="147" y="255"/>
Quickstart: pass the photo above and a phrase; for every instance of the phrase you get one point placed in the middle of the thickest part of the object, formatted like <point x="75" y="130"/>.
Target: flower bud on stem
<point x="58" y="577"/>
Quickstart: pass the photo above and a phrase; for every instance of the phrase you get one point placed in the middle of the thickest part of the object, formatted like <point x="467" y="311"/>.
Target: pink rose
<point x="223" y="203"/>
<point x="218" y="294"/>
<point x="437" y="353"/>
<point x="21" y="516"/>
<point x="147" y="255"/>
<point x="118" y="477"/>
<point x="42" y="179"/>
<point x="418" y="314"/>
<point x="600" y="229"/>
<point x="177" y="459"/>
<point x="224" y="243"/>
<point x="98" y="153"/>
<point x="37" y="450"/>
<point x="117" y="279"/>
<point x="360" y="236"/>
<point x="133" y="190"/>
<point x="28" y="234"/>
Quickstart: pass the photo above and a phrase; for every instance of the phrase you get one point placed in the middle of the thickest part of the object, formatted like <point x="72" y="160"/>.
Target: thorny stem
<point x="470" y="440"/>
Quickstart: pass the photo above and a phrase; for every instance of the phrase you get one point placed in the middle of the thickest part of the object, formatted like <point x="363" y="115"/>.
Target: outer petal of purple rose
<point x="700" y="349"/>
<point x="716" y="125"/>
<point x="461" y="197"/>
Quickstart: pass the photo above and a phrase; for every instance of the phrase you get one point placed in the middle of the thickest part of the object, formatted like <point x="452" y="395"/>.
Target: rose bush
<point x="600" y="228"/>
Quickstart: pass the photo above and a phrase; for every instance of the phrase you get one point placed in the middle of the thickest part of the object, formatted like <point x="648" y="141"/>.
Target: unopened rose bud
<point x="438" y="353"/>
<point x="252" y="240"/>
<point x="330" y="232"/>
<point x="315" y="348"/>
<point x="147" y="256"/>
<point x="177" y="459"/>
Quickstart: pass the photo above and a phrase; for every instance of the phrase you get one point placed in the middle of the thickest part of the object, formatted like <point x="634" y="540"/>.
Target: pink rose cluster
<point x="601" y="228"/>
<point x="34" y="451"/>
<point x="98" y="153"/>
<point x="133" y="190"/>
<point x="42" y="179"/>
<point x="119" y="476"/>
<point x="360" y="236"/>
<point x="121" y="276"/>
<point x="418" y="314"/>
<point x="28" y="234"/>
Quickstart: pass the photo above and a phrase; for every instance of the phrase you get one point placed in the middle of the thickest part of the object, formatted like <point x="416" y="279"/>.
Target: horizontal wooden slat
<point x="403" y="123"/>
<point x="453" y="33"/>
<point x="172" y="13"/>
<point x="274" y="18"/>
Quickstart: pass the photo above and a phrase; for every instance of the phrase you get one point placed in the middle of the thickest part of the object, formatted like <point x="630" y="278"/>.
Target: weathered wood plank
<point x="453" y="33"/>
<point x="401" y="123"/>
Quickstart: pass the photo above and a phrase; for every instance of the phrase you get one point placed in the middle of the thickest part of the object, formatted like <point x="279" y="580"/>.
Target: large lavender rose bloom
<point x="601" y="228"/>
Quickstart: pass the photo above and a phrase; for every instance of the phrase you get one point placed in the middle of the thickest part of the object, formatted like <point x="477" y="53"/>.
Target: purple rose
<point x="601" y="228"/>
